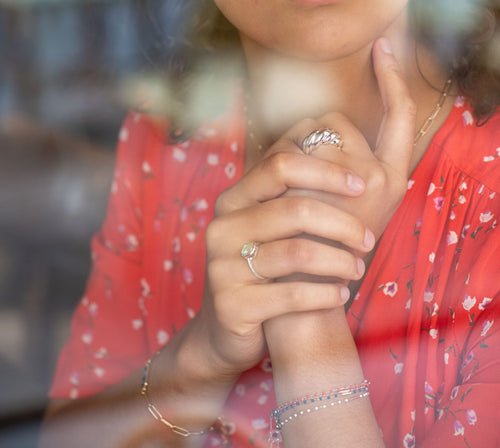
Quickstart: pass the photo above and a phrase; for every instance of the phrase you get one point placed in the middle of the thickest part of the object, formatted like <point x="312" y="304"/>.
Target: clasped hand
<point x="341" y="199"/>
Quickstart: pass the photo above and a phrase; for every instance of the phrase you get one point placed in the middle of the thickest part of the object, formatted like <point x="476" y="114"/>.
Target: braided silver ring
<point x="249" y="252"/>
<point x="321" y="137"/>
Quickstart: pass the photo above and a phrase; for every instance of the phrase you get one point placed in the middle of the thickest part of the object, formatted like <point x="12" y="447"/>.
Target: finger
<point x="286" y="217"/>
<point x="284" y="170"/>
<point x="291" y="256"/>
<point x="258" y="303"/>
<point x="397" y="132"/>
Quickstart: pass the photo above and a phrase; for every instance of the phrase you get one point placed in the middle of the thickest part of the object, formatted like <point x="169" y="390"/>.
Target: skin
<point x="333" y="197"/>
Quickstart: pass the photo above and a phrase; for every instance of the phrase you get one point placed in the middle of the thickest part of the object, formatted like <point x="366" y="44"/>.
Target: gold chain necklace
<point x="422" y="131"/>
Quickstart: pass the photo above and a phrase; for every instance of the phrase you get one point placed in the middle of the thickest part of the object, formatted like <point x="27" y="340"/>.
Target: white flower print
<point x="73" y="394"/>
<point x="398" y="368"/>
<point x="411" y="182"/>
<point x="412" y="415"/>
<point x="234" y="146"/>
<point x="446" y="358"/>
<point x="486" y="301"/>
<point x="179" y="155"/>
<point x="162" y="337"/>
<point x="191" y="236"/>
<point x="87" y="338"/>
<point x="213" y="159"/>
<point x="428" y="295"/>
<point x="451" y="238"/>
<point x="101" y="353"/>
<point x="93" y="307"/>
<point x="468" y="302"/>
<point x="99" y="372"/>
<point x="390" y="289"/>
<point x="240" y="390"/>
<point x="74" y="379"/>
<point x="137" y="324"/>
<point x="432" y="187"/>
<point x="433" y="333"/>
<point x="259" y="423"/>
<point x="462" y="199"/>
<point x="454" y="393"/>
<point x="123" y="134"/>
<point x="465" y="230"/>
<point x="435" y="310"/>
<point x="467" y="118"/>
<point x="132" y="243"/>
<point x="409" y="441"/>
<point x="176" y="244"/>
<point x="488" y="158"/>
<point x="187" y="275"/>
<point x="486" y="327"/>
<point x="262" y="399"/>
<point x="230" y="170"/>
<point x="486" y="216"/>
<point x="168" y="265"/>
<point x="146" y="168"/>
<point x="200" y="205"/>
<point x="432" y="257"/>
<point x="459" y="101"/>
<point x="146" y="290"/>
<point x="458" y="428"/>
<point x="471" y="417"/>
<point x="463" y="186"/>
<point x="408" y="304"/>
<point x="191" y="313"/>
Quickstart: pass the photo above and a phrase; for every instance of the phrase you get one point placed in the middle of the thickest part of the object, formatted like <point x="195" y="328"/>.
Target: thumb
<point x="397" y="131"/>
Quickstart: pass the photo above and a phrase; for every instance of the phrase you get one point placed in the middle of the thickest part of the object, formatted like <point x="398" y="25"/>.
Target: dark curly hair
<point x="464" y="35"/>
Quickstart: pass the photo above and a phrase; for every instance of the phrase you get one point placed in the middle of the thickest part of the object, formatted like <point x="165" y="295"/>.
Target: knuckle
<point x="222" y="204"/>
<point x="378" y="179"/>
<point x="278" y="164"/>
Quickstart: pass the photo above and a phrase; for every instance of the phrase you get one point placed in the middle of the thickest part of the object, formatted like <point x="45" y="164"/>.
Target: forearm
<point x="315" y="352"/>
<point x="185" y="385"/>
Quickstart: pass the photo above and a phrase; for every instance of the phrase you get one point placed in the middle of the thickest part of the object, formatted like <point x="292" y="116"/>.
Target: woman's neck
<point x="285" y="90"/>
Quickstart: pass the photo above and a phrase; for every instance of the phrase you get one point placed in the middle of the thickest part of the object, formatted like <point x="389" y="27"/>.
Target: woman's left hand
<point x="385" y="169"/>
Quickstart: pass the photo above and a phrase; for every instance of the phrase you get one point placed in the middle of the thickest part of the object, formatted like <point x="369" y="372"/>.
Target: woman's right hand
<point x="236" y="302"/>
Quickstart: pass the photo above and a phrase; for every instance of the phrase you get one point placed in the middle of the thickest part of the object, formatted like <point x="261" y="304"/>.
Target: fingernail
<point x="354" y="182"/>
<point x="361" y="266"/>
<point x="369" y="240"/>
<point x="385" y="45"/>
<point x="344" y="294"/>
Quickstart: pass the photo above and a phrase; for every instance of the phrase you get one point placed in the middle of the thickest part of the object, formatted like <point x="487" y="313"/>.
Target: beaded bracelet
<point x="323" y="400"/>
<point x="157" y="414"/>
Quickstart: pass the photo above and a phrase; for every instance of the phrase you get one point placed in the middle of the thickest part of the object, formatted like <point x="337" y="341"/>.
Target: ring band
<point x="249" y="252"/>
<point x="321" y="137"/>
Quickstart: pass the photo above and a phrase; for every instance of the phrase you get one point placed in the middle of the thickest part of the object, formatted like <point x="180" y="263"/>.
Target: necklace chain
<point x="422" y="131"/>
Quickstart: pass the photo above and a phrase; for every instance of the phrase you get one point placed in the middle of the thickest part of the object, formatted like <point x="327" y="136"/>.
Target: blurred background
<point x="65" y="68"/>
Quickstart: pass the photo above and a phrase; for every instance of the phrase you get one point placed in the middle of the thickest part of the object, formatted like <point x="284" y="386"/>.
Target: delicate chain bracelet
<point x="318" y="401"/>
<point x="157" y="414"/>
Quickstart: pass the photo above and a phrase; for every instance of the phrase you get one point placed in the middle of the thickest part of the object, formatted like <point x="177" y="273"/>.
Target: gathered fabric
<point x="426" y="319"/>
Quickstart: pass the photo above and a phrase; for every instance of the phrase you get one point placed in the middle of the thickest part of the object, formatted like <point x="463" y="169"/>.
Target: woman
<point x="345" y="101"/>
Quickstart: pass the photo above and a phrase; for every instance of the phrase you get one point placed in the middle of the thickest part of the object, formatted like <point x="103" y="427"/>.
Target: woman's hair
<point x="465" y="36"/>
<point x="202" y="45"/>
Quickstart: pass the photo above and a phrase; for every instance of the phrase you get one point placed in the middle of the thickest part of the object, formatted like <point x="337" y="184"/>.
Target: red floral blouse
<point x="426" y="319"/>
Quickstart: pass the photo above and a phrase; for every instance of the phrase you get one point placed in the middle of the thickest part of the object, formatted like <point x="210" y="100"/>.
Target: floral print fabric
<point x="426" y="318"/>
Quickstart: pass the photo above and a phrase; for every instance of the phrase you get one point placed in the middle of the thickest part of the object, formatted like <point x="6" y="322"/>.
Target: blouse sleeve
<point x="93" y="357"/>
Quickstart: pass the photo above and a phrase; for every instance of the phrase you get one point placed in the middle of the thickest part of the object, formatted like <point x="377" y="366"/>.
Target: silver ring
<point x="249" y="252"/>
<point x="321" y="137"/>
